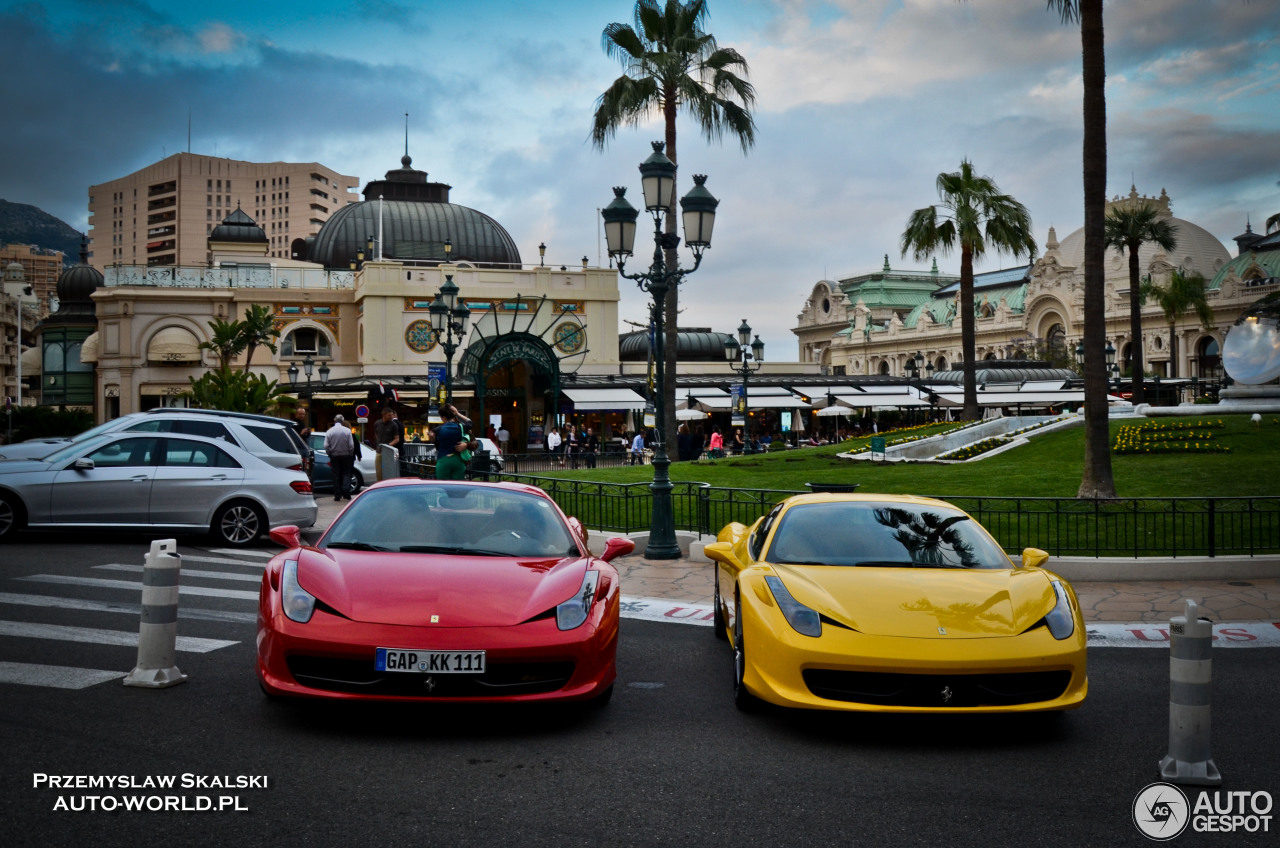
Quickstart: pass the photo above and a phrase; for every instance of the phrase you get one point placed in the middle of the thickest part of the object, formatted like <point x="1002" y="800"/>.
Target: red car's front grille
<point x="360" y="677"/>
<point x="890" y="689"/>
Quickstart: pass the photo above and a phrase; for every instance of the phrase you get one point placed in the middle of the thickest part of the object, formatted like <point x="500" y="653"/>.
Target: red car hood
<point x="463" y="591"/>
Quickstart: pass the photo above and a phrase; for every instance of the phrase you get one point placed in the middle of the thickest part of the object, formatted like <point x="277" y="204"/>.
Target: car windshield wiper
<point x="892" y="563"/>
<point x="450" y="549"/>
<point x="357" y="546"/>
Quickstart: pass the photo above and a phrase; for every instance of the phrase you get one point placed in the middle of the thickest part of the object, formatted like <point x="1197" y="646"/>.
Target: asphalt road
<point x="669" y="761"/>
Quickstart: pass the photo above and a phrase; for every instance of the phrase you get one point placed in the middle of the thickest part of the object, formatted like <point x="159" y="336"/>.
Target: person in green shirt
<point x="450" y="441"/>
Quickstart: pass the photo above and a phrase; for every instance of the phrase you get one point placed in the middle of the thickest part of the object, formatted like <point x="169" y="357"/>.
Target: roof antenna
<point x="406" y="133"/>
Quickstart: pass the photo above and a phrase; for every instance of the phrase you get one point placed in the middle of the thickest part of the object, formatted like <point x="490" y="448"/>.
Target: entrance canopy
<point x="604" y="399"/>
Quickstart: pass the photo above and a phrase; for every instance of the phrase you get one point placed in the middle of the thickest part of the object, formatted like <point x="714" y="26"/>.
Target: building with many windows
<point x="164" y="213"/>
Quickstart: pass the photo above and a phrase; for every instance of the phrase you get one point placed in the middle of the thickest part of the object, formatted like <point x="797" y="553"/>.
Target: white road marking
<point x="127" y="609"/>
<point x="186" y="572"/>
<point x="186" y="558"/>
<point x="248" y="553"/>
<point x="97" y="636"/>
<point x="136" y="586"/>
<point x="55" y="676"/>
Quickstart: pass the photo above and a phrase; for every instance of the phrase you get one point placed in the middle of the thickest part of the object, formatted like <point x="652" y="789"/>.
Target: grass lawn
<point x="1049" y="466"/>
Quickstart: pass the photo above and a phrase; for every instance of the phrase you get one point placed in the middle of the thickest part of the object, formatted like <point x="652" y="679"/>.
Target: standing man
<point x="341" y="447"/>
<point x="637" y="448"/>
<point x="503" y="437"/>
<point x="386" y="432"/>
<point x="591" y="446"/>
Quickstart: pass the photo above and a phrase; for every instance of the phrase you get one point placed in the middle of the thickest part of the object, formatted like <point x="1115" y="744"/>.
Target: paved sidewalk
<point x="1119" y="601"/>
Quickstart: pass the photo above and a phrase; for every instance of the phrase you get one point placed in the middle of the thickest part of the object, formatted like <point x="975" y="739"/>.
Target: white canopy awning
<point x="31" y="361"/>
<point x="89" y="348"/>
<point x="174" y="344"/>
<point x="604" y="399"/>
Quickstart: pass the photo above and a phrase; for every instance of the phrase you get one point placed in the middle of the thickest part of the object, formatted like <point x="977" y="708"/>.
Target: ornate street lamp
<point x="308" y="367"/>
<point x="735" y="350"/>
<point x="449" y="321"/>
<point x="657" y="176"/>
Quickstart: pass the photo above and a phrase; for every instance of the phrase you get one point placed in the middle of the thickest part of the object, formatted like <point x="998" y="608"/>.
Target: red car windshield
<point x="462" y="519"/>
<point x="866" y="533"/>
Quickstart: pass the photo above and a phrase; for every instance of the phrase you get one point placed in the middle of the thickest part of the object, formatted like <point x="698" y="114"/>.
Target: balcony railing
<point x="234" y="277"/>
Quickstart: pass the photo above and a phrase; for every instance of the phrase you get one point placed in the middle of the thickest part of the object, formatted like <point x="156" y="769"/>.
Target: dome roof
<point x="415" y="218"/>
<point x="1197" y="248"/>
<point x="413" y="230"/>
<point x="75" y="287"/>
<point x="692" y="345"/>
<point x="238" y="227"/>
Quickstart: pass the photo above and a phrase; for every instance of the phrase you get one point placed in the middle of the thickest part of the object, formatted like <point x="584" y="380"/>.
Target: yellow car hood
<point x="938" y="603"/>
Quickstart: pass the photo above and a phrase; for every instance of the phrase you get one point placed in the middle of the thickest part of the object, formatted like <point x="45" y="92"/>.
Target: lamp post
<point x="913" y="373"/>
<point x="308" y="367"/>
<point x="449" y="320"/>
<point x="741" y="363"/>
<point x="657" y="176"/>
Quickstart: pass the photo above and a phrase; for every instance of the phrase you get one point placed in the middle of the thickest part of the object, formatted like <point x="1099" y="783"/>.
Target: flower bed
<point x="1170" y="437"/>
<point x="975" y="449"/>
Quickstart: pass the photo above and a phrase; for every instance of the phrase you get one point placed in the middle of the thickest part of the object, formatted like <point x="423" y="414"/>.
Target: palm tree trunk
<point x="671" y="356"/>
<point x="1135" y="327"/>
<point x="968" y="335"/>
<point x="1097" y="480"/>
<point x="1173" y="349"/>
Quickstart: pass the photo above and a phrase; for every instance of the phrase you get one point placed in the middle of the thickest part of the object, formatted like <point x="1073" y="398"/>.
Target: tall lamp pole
<point x="658" y="177"/>
<point x="308" y="367"/>
<point x="449" y="320"/>
<point x="913" y="371"/>
<point x="741" y="362"/>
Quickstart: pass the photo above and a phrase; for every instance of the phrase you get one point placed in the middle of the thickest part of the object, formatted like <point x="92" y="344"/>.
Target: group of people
<point x="576" y="445"/>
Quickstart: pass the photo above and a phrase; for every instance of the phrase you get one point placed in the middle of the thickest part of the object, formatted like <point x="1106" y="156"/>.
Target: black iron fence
<point x="1136" y="527"/>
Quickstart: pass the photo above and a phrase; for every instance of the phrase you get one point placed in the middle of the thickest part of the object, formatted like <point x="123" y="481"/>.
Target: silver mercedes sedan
<point x="154" y="480"/>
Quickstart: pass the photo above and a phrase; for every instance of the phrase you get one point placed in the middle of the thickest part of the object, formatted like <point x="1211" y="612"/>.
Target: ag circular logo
<point x="1161" y="812"/>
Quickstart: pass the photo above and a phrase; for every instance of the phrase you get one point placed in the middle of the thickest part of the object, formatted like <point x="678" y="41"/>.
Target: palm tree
<point x="227" y="342"/>
<point x="1186" y="292"/>
<point x="257" y="330"/>
<point x="1097" y="480"/>
<point x="670" y="62"/>
<point x="1128" y="229"/>
<point x="974" y="215"/>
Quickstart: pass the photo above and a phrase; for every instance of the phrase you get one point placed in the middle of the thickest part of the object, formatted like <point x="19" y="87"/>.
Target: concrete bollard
<point x="1190" y="688"/>
<point x="389" y="457"/>
<point x="158" y="632"/>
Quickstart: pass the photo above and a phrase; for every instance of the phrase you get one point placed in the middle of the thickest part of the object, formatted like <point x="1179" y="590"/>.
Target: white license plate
<point x="414" y="661"/>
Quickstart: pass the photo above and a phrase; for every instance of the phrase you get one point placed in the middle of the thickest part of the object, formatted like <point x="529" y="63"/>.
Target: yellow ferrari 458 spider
<point x="892" y="603"/>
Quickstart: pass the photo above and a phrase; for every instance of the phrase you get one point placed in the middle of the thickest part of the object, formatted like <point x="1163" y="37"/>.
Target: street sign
<point x="877" y="446"/>
<point x="362" y="411"/>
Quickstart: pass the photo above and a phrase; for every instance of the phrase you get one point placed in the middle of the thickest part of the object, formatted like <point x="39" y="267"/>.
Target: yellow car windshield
<point x="887" y="535"/>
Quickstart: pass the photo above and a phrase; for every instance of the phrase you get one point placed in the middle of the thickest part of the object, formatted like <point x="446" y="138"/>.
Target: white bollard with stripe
<point x="158" y="632"/>
<point x="1190" y="687"/>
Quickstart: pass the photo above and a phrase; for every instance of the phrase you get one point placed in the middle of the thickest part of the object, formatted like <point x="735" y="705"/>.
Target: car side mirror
<point x="288" y="536"/>
<point x="1034" y="557"/>
<point x="617" y="546"/>
<point x="719" y="551"/>
<point x="83" y="464"/>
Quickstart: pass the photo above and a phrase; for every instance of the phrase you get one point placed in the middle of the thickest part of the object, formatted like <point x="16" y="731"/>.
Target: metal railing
<point x="1130" y="527"/>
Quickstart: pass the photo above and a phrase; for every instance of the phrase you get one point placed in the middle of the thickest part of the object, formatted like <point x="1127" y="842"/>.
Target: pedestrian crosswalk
<point x="93" y="611"/>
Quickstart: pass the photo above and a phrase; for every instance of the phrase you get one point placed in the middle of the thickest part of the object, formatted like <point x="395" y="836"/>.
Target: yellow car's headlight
<point x="803" y="619"/>
<point x="1060" y="621"/>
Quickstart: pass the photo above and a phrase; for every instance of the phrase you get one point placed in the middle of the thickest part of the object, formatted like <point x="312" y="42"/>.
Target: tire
<point x="602" y="700"/>
<point x="238" y="524"/>
<point x="742" y="699"/>
<point x="359" y="483"/>
<point x="717" y="614"/>
<point x="12" y="517"/>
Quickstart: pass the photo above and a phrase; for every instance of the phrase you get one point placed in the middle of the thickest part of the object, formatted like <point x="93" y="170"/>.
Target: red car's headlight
<point x="573" y="612"/>
<point x="298" y="604"/>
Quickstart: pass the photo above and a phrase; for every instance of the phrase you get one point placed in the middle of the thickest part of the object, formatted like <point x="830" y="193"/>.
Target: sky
<point x="860" y="104"/>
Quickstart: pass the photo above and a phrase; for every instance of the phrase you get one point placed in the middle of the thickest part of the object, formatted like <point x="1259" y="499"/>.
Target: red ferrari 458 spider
<point x="442" y="591"/>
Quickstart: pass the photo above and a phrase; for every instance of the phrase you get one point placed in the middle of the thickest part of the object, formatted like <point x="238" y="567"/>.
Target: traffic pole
<point x="158" y="630"/>
<point x="1190" y="688"/>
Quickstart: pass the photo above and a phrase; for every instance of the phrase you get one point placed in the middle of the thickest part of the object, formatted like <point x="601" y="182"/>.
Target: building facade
<point x="163" y="214"/>
<point x="872" y="324"/>
<point x="40" y="267"/>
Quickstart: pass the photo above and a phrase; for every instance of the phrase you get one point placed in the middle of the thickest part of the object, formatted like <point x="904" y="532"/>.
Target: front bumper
<point x="846" y="670"/>
<point x="332" y="657"/>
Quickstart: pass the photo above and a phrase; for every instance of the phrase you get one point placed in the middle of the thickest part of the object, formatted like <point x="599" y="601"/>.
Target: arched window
<point x="305" y="341"/>
<point x="1056" y="340"/>
<point x="884" y="369"/>
<point x="1208" y="359"/>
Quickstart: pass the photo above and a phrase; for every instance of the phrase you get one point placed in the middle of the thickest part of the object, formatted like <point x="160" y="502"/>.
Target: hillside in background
<point x="21" y="223"/>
